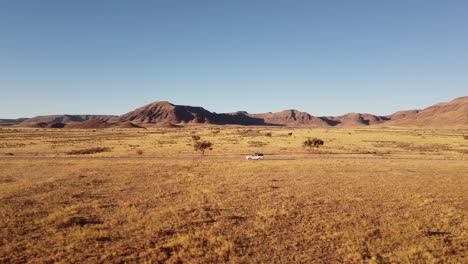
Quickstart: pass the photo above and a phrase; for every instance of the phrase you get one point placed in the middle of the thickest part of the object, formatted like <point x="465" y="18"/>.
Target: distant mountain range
<point x="165" y="114"/>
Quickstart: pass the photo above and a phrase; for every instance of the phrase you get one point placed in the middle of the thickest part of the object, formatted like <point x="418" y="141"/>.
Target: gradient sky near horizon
<point x="323" y="57"/>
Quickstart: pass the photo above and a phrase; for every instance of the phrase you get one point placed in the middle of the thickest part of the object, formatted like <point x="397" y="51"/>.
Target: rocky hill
<point x="165" y="114"/>
<point x="448" y="114"/>
<point x="66" y="118"/>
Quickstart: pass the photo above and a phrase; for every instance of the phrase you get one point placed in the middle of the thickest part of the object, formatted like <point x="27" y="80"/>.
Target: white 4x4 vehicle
<point x="255" y="156"/>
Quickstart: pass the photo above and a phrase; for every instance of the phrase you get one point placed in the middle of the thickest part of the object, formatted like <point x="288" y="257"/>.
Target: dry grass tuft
<point x="196" y="247"/>
<point x="257" y="144"/>
<point x="89" y="151"/>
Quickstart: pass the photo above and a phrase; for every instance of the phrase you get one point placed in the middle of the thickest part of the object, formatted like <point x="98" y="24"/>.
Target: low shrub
<point x="257" y="144"/>
<point x="89" y="151"/>
<point x="312" y="143"/>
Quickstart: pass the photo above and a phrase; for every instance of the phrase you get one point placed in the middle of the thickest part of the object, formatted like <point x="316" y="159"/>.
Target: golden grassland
<point x="385" y="195"/>
<point x="235" y="141"/>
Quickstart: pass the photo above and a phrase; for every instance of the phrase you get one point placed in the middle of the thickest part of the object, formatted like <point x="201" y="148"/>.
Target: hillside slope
<point x="448" y="114"/>
<point x="165" y="114"/>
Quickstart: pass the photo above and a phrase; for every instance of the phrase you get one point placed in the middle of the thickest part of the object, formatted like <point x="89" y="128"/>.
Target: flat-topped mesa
<point x="163" y="113"/>
<point x="67" y="118"/>
<point x="14" y="121"/>
<point x="291" y="117"/>
<point x="357" y="119"/>
<point x="167" y="113"/>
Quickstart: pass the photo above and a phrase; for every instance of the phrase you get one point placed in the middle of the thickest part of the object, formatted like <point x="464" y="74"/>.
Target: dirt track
<point x="208" y="158"/>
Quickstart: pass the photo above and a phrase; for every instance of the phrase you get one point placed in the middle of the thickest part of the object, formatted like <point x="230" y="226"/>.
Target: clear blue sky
<point x="324" y="57"/>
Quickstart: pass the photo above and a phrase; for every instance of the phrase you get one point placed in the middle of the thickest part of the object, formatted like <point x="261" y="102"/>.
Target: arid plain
<point x="368" y="195"/>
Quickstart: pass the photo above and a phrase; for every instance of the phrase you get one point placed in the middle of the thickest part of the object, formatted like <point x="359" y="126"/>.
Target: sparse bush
<point x="249" y="132"/>
<point x="196" y="138"/>
<point x="139" y="152"/>
<point x="268" y="134"/>
<point x="257" y="144"/>
<point x="70" y="221"/>
<point x="216" y="132"/>
<point x="89" y="151"/>
<point x="202" y="146"/>
<point x="312" y="143"/>
<point x="9" y="154"/>
<point x="465" y="137"/>
<point x="290" y="134"/>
